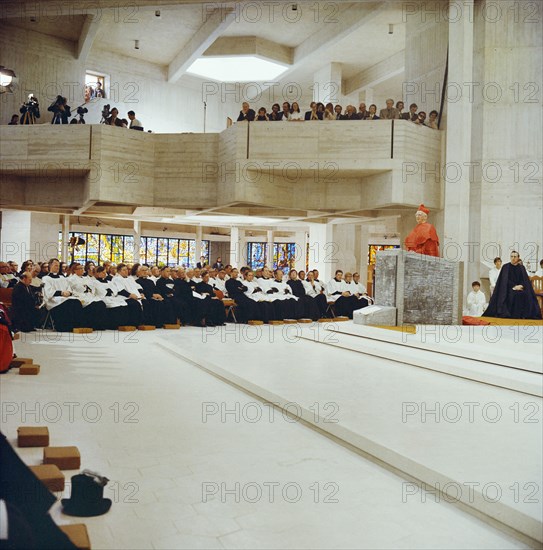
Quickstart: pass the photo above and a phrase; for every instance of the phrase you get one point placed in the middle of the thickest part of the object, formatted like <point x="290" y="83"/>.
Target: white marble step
<point x="517" y="347"/>
<point x="462" y="363"/>
<point x="383" y="410"/>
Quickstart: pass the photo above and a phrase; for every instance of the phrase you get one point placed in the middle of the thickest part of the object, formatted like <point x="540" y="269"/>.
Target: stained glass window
<point x="284" y="256"/>
<point x="373" y="248"/>
<point x="120" y="248"/>
<point x="128" y="249"/>
<point x="256" y="255"/>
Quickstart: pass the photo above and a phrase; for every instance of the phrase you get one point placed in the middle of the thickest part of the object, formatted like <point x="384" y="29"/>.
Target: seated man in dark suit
<point x="23" y="309"/>
<point x="246" y="113"/>
<point x="313" y="114"/>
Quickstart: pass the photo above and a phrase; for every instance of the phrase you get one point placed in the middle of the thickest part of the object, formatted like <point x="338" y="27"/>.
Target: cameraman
<point x="113" y="119"/>
<point x="30" y="111"/>
<point x="61" y="111"/>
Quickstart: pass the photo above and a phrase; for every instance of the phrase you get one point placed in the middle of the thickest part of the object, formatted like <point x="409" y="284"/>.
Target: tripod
<point x="28" y="118"/>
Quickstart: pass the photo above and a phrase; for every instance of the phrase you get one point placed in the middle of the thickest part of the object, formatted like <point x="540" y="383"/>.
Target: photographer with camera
<point x="30" y="110"/>
<point x="61" y="110"/>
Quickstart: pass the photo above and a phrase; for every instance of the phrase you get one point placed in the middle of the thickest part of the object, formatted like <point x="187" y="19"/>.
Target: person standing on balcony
<point x="390" y="112"/>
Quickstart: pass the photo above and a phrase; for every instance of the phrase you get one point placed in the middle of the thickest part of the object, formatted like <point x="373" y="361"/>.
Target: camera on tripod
<point x="30" y="110"/>
<point x="82" y="111"/>
<point x="106" y="111"/>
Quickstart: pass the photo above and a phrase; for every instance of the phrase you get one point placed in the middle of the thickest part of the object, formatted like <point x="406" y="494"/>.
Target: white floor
<point x="193" y="466"/>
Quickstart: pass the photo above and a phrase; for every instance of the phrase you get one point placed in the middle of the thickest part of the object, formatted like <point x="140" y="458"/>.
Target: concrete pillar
<point x="237" y="245"/>
<point x="300" y="239"/>
<point x="198" y="244"/>
<point x="322" y="250"/>
<point x="29" y="236"/>
<point x="65" y="238"/>
<point x="269" y="248"/>
<point x="137" y="240"/>
<point x="366" y="96"/>
<point x="459" y="142"/>
<point x="327" y="84"/>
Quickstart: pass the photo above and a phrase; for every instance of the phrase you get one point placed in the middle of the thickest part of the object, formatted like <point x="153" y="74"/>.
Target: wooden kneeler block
<point x="78" y="535"/>
<point x="146" y="327"/>
<point x="66" y="458"/>
<point x="305" y="321"/>
<point x="275" y="323"/>
<point x="126" y="328"/>
<point x="289" y="321"/>
<point x="50" y="476"/>
<point x="32" y="436"/>
<point x="18" y="361"/>
<point x="324" y="320"/>
<point x="29" y="368"/>
<point x="340" y="319"/>
<point x="255" y="322"/>
<point x="171" y="327"/>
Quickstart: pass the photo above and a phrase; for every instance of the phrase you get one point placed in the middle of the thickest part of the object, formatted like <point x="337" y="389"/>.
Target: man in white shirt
<point x="219" y="281"/>
<point x="135" y="124"/>
<point x="539" y="272"/>
<point x="494" y="273"/>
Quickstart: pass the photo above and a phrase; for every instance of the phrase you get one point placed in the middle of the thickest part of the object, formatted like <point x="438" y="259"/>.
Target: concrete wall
<point x="46" y="66"/>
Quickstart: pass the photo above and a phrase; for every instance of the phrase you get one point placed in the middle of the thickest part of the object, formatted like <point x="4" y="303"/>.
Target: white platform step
<point x="368" y="403"/>
<point x="464" y="360"/>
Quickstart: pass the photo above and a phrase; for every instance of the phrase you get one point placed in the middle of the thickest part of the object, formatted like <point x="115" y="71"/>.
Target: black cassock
<point x="24" y="314"/>
<point x="513" y="304"/>
<point x="156" y="312"/>
<point x="246" y="309"/>
<point x="310" y="305"/>
<point x="189" y="309"/>
<point x="215" y="312"/>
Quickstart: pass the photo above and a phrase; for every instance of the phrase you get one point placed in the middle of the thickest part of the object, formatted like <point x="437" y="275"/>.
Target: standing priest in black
<point x="513" y="296"/>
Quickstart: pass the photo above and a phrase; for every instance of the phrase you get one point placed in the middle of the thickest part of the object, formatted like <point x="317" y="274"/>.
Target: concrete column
<point x="322" y="250"/>
<point x="300" y="238"/>
<point x="269" y="248"/>
<point x="137" y="240"/>
<point x="237" y="242"/>
<point x="327" y="84"/>
<point x="198" y="244"/>
<point x="28" y="236"/>
<point x="365" y="96"/>
<point x="65" y="238"/>
<point x="459" y="141"/>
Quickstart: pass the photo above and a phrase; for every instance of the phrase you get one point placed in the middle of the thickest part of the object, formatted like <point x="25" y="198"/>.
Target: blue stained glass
<point x="256" y="255"/>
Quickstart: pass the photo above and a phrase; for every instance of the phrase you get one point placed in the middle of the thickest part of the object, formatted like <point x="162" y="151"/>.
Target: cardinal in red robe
<point x="423" y="239"/>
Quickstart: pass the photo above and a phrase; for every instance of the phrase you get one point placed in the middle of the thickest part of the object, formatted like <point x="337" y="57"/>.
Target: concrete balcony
<point x="329" y="167"/>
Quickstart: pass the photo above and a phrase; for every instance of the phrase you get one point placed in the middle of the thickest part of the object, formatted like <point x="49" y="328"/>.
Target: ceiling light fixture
<point x="6" y="77"/>
<point x="136" y="44"/>
<point x="236" y="68"/>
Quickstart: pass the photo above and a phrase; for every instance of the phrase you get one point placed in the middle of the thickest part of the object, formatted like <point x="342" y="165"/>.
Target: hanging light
<point x="6" y="79"/>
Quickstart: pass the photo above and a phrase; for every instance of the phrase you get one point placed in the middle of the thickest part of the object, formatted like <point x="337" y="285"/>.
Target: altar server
<point x="65" y="308"/>
<point x="94" y="310"/>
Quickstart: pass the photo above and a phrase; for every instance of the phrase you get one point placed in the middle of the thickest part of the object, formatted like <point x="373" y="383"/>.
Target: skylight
<point x="236" y="69"/>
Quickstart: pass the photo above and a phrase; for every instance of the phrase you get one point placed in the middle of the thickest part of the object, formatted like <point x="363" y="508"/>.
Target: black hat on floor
<point x="87" y="497"/>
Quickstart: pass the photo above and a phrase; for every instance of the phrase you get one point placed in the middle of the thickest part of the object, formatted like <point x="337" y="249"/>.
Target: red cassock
<point x="6" y="346"/>
<point x="423" y="240"/>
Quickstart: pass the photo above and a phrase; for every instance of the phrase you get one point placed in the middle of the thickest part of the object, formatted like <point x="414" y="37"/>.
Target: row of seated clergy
<point x="271" y="298"/>
<point x="95" y="302"/>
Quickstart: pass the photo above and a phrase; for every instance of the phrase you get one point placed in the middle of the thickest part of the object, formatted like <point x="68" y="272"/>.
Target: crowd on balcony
<point x="64" y="297"/>
<point x="318" y="111"/>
